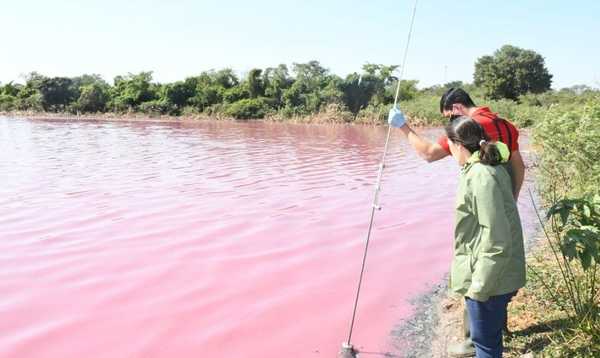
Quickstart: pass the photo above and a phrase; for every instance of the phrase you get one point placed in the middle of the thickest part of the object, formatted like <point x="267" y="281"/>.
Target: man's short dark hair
<point x="454" y="96"/>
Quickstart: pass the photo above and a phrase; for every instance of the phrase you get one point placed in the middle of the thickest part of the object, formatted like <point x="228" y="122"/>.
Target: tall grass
<point x="568" y="144"/>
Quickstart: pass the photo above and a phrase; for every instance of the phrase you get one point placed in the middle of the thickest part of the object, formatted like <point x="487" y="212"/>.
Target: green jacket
<point x="489" y="258"/>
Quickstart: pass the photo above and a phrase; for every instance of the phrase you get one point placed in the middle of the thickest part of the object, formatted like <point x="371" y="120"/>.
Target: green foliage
<point x="574" y="238"/>
<point x="512" y="72"/>
<point x="234" y="94"/>
<point x="375" y="86"/>
<point x="93" y="98"/>
<point x="206" y="96"/>
<point x="247" y="108"/>
<point x="225" y="78"/>
<point x="157" y="107"/>
<point x="29" y="99"/>
<point x="358" y="91"/>
<point x="178" y="93"/>
<point x="189" y="111"/>
<point x="305" y="94"/>
<point x="254" y="83"/>
<point x="373" y="114"/>
<point x="7" y="102"/>
<point x="10" y="89"/>
<point x="130" y="91"/>
<point x="310" y="91"/>
<point x="210" y="88"/>
<point x="571" y="147"/>
<point x="408" y="90"/>
<point x="579" y="227"/>
<point x="332" y="93"/>
<point x="276" y="80"/>
<point x="56" y="93"/>
<point x="33" y="80"/>
<point x="424" y="110"/>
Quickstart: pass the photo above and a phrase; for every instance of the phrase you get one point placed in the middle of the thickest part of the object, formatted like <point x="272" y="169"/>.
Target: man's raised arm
<point x="424" y="148"/>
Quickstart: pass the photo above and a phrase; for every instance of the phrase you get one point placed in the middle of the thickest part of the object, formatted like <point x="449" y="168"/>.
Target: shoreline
<point x="436" y="321"/>
<point x="416" y="335"/>
<point x="316" y="119"/>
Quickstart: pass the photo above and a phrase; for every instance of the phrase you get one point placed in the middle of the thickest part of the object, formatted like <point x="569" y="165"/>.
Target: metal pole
<point x="347" y="346"/>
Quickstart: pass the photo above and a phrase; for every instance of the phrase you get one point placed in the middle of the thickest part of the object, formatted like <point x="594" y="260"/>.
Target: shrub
<point x="7" y="102"/>
<point x="157" y="107"/>
<point x="423" y="110"/>
<point x="247" y="109"/>
<point x="571" y="147"/>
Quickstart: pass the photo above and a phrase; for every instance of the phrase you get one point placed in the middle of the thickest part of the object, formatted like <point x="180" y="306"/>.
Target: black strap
<point x="508" y="133"/>
<point x="510" y="144"/>
<point x="498" y="129"/>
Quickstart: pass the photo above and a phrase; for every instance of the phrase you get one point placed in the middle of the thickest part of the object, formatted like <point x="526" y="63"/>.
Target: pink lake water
<point x="212" y="239"/>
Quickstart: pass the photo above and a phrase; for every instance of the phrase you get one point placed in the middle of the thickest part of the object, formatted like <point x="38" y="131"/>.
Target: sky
<point x="180" y="38"/>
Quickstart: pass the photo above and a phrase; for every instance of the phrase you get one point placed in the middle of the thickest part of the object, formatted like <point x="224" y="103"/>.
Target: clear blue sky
<point x="179" y="38"/>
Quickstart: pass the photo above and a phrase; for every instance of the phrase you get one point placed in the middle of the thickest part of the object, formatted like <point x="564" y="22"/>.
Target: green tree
<point x="235" y="94"/>
<point x="29" y="99"/>
<point x="381" y="82"/>
<point x="7" y="102"/>
<point x="225" y="78"/>
<point x="305" y="95"/>
<point x="408" y="91"/>
<point x="249" y="108"/>
<point x="11" y="89"/>
<point x="84" y="80"/>
<point x="178" y="93"/>
<point x="332" y="92"/>
<point x="130" y="91"/>
<point x="358" y="90"/>
<point x="512" y="72"/>
<point x="211" y="87"/>
<point x="93" y="98"/>
<point x="376" y="85"/>
<point x="56" y="92"/>
<point x="33" y="79"/>
<point x="276" y="80"/>
<point x="254" y="83"/>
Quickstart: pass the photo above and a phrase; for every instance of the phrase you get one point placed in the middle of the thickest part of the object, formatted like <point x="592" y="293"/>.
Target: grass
<point x="537" y="324"/>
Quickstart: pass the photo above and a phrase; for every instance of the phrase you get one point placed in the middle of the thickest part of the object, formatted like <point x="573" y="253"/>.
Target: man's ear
<point x="459" y="108"/>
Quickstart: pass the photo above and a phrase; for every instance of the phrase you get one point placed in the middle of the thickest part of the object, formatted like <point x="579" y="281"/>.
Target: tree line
<point x="304" y="89"/>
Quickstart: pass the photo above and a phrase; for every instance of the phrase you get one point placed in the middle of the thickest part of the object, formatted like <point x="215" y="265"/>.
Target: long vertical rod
<point x="378" y="183"/>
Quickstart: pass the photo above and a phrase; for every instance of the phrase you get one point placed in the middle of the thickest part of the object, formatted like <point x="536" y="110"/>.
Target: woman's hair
<point x="471" y="135"/>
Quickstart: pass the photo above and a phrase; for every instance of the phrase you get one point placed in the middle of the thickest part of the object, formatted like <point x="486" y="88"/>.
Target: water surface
<point x="213" y="239"/>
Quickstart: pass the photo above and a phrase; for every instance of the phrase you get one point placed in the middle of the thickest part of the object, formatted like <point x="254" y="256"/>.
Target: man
<point x="454" y="103"/>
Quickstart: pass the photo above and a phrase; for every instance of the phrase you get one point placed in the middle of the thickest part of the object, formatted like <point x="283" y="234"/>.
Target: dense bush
<point x="93" y="98"/>
<point x="247" y="109"/>
<point x="571" y="149"/>
<point x="157" y="107"/>
<point x="567" y="140"/>
<point x="7" y="102"/>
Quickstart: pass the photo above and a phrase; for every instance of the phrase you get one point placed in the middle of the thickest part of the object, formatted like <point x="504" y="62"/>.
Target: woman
<point x="489" y="260"/>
